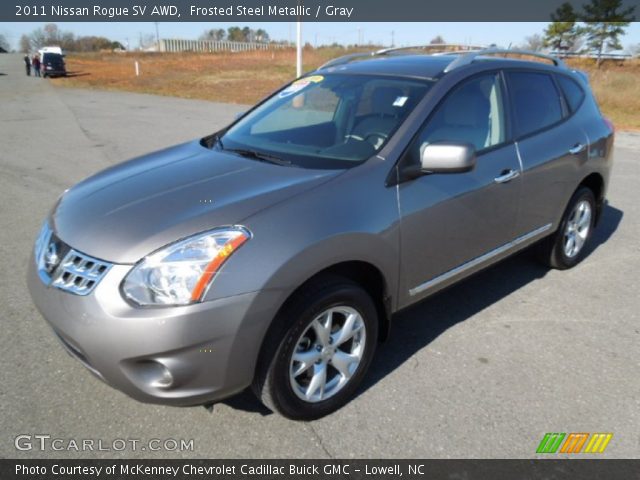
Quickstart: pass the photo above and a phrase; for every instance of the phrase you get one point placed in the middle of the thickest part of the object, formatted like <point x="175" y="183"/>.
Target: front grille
<point x="78" y="273"/>
<point x="65" y="268"/>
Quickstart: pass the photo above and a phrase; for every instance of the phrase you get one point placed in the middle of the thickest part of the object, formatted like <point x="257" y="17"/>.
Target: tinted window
<point x="327" y="121"/>
<point x="471" y="113"/>
<point x="572" y="92"/>
<point x="52" y="58"/>
<point x="536" y="103"/>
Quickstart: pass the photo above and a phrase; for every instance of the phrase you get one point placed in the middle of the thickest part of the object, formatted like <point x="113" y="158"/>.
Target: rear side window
<point x="535" y="99"/>
<point x="572" y="92"/>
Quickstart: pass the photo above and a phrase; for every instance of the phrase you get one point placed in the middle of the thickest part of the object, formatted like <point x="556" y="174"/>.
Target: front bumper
<point x="174" y="355"/>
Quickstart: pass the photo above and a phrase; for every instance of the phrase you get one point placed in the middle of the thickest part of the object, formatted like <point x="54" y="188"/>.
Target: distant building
<point x="180" y="45"/>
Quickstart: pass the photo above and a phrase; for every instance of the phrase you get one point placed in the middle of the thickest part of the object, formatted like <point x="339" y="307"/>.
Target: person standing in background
<point x="27" y="64"/>
<point x="36" y="65"/>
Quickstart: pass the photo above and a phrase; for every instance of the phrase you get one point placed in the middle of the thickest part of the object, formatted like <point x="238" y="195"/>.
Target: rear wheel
<point x="330" y="334"/>
<point x="566" y="247"/>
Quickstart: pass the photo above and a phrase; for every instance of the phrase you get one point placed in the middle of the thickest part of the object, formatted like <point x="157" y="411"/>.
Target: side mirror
<point x="441" y="157"/>
<point x="447" y="157"/>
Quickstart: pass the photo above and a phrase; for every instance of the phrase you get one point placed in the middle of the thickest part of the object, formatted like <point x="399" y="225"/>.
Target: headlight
<point x="180" y="273"/>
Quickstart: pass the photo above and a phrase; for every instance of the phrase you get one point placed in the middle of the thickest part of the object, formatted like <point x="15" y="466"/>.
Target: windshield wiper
<point x="263" y="157"/>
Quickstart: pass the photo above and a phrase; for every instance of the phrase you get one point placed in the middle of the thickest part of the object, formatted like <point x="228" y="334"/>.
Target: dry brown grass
<point x="225" y="77"/>
<point x="617" y="88"/>
<point x="249" y="76"/>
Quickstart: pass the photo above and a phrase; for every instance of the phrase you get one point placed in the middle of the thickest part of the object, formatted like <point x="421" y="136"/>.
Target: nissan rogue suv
<point x="273" y="253"/>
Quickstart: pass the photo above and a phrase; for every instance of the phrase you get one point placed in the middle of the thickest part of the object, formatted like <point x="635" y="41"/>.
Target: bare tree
<point x="4" y="43"/>
<point x="533" y="42"/>
<point x="215" y="34"/>
<point x="437" y="40"/>
<point x="634" y="50"/>
<point x="25" y="44"/>
<point x="147" y="40"/>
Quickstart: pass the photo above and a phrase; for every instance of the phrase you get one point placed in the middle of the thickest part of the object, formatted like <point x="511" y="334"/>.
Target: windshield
<point x="52" y="58"/>
<point x="326" y="121"/>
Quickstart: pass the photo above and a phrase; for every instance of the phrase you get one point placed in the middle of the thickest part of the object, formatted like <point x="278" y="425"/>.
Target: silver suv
<point x="274" y="253"/>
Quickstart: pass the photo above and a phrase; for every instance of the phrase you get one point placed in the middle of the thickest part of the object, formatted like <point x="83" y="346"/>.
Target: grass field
<point x="248" y="76"/>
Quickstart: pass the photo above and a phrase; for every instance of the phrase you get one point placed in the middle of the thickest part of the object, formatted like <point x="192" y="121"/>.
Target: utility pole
<point x="157" y="37"/>
<point x="393" y="43"/>
<point x="298" y="48"/>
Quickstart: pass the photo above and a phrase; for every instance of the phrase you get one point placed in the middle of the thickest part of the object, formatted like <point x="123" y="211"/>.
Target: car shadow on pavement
<point x="419" y="325"/>
<point x="77" y="74"/>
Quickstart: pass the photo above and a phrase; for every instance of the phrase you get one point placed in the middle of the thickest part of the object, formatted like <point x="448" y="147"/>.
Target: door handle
<point x="507" y="176"/>
<point x="577" y="148"/>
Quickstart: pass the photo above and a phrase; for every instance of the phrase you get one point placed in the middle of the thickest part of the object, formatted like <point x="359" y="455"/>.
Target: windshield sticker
<point x="400" y="101"/>
<point x="314" y="78"/>
<point x="298" y="85"/>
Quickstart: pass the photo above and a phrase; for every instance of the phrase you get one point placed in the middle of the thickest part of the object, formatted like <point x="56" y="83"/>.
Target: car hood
<point x="127" y="211"/>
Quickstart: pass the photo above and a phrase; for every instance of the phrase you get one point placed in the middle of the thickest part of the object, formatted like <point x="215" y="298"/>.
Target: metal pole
<point x="298" y="48"/>
<point x="157" y="38"/>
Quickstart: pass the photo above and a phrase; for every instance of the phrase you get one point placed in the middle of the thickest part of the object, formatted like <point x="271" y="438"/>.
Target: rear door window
<point x="536" y="101"/>
<point x="572" y="92"/>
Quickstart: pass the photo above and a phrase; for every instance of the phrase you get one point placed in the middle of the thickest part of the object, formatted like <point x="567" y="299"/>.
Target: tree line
<point x="236" y="34"/>
<point x="50" y="34"/>
<point x="596" y="29"/>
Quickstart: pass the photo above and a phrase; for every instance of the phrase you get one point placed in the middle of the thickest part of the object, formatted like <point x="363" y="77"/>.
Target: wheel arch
<point x="364" y="273"/>
<point x="595" y="182"/>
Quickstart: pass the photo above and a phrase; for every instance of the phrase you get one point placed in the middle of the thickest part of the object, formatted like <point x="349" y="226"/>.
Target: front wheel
<point x="331" y="331"/>
<point x="566" y="247"/>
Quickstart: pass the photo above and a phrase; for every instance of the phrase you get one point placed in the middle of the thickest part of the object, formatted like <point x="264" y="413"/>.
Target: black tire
<point x="551" y="251"/>
<point x="273" y="384"/>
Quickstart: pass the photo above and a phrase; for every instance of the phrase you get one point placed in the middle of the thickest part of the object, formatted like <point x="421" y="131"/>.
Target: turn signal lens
<point x="181" y="273"/>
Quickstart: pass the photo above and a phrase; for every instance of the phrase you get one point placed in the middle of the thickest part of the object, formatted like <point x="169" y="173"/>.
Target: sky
<point x="480" y="33"/>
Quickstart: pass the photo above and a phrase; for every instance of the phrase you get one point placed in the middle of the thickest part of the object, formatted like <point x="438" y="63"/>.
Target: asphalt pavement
<point x="483" y="369"/>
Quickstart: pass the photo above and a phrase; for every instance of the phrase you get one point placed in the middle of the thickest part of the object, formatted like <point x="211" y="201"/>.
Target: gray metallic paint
<point x="302" y="222"/>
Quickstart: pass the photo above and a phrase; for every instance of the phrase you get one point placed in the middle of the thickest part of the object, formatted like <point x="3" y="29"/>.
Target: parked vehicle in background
<point x="273" y="253"/>
<point x="50" y="49"/>
<point x="52" y="65"/>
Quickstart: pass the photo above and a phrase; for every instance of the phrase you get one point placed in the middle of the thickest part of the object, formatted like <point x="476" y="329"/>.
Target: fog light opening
<point x="155" y="374"/>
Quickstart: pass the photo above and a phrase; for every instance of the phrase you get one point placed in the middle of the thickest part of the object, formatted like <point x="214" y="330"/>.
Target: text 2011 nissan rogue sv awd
<point x="273" y="253"/>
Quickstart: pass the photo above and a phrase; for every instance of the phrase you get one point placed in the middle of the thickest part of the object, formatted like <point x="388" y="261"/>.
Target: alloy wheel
<point x="327" y="354"/>
<point x="577" y="229"/>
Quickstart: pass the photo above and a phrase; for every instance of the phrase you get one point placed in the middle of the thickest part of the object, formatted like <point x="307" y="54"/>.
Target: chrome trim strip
<point x="477" y="261"/>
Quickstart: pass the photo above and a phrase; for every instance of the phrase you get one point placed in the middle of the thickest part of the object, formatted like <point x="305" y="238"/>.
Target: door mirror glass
<point x="447" y="157"/>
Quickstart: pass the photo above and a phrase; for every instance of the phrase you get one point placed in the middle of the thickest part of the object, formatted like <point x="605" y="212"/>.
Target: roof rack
<point x="466" y="54"/>
<point x="444" y="48"/>
<point x="471" y="56"/>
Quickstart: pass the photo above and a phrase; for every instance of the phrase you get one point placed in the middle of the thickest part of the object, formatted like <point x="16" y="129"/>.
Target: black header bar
<point x="557" y="469"/>
<point x="283" y="10"/>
